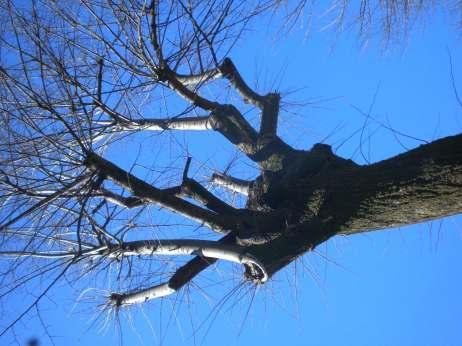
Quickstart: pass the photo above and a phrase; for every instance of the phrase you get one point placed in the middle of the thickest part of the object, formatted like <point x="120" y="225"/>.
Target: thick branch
<point x="264" y="148"/>
<point x="191" y="269"/>
<point x="195" y="79"/>
<point x="189" y="188"/>
<point x="187" y="123"/>
<point x="230" y="72"/>
<point x="174" y="247"/>
<point x="147" y="192"/>
<point x="269" y="104"/>
<point x="225" y="119"/>
<point x="270" y="113"/>
<point x="182" y="247"/>
<point x="234" y="184"/>
<point x="127" y="202"/>
<point x="168" y="76"/>
<point x="196" y="191"/>
<point x="269" y="152"/>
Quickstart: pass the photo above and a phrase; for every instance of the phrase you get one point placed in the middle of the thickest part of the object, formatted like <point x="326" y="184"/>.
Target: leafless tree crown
<point x="79" y="78"/>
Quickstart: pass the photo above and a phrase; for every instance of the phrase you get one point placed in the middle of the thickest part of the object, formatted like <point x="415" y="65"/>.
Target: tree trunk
<point x="337" y="197"/>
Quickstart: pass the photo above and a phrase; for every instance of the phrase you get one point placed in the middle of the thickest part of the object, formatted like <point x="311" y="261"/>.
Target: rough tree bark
<point x="337" y="197"/>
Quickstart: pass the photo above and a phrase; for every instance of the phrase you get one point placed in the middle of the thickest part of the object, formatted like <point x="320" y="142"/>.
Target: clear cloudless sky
<point x="393" y="287"/>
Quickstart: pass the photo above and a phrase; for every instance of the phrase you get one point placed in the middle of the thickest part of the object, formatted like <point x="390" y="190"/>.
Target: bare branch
<point x="169" y="77"/>
<point x="127" y="202"/>
<point x="184" y="124"/>
<point x="99" y="79"/>
<point x="145" y="191"/>
<point x="203" y="248"/>
<point x="230" y="72"/>
<point x="269" y="117"/>
<point x="47" y="200"/>
<point x="201" y="78"/>
<point x="234" y="184"/>
<point x="196" y="191"/>
<point x="188" y="189"/>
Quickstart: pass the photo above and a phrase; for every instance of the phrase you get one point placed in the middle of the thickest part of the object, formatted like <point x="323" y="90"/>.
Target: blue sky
<point x="394" y="287"/>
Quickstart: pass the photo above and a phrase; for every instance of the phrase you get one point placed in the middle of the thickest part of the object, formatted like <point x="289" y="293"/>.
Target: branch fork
<point x="255" y="270"/>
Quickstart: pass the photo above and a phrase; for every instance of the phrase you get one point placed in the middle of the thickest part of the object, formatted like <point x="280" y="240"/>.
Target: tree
<point x="91" y="75"/>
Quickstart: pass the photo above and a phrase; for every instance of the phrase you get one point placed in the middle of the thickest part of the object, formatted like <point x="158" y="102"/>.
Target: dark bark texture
<point x="321" y="195"/>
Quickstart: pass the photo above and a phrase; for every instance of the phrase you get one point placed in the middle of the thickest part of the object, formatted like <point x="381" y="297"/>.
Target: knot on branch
<point x="254" y="274"/>
<point x="116" y="299"/>
<point x="163" y="74"/>
<point x="227" y="68"/>
<point x="322" y="148"/>
<point x="90" y="162"/>
<point x="272" y="99"/>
